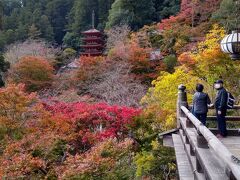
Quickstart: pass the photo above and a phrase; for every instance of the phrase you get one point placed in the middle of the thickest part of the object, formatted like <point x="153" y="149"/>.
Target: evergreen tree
<point x="82" y="15"/>
<point x="34" y="32"/>
<point x="103" y="11"/>
<point x="228" y="14"/>
<point x="131" y="12"/>
<point x="57" y="11"/>
<point x="165" y="8"/>
<point x="58" y="20"/>
<point x="4" y="66"/>
<point x="46" y="28"/>
<point x="1" y="15"/>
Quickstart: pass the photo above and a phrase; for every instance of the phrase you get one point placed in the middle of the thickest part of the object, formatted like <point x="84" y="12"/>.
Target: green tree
<point x="103" y="11"/>
<point x="134" y="13"/>
<point x="46" y="28"/>
<point x="82" y="15"/>
<point x="227" y="14"/>
<point x="34" y="32"/>
<point x="165" y="8"/>
<point x="3" y="68"/>
<point x="57" y="11"/>
<point x="1" y="15"/>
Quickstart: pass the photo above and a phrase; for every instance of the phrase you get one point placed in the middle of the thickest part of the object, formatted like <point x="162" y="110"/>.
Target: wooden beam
<point x="231" y="132"/>
<point x="228" y="118"/>
<point x="236" y="107"/>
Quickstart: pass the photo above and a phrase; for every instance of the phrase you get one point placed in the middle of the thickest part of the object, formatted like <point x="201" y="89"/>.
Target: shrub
<point x="170" y="62"/>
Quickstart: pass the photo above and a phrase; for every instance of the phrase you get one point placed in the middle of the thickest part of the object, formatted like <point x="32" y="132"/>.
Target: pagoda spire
<point x="93" y="19"/>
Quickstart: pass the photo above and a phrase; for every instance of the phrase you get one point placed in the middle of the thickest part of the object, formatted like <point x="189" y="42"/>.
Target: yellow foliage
<point x="213" y="38"/>
<point x="212" y="64"/>
<point x="161" y="99"/>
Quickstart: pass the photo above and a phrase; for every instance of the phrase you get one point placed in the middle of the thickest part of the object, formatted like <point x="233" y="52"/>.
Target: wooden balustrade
<point x="212" y="159"/>
<point x="206" y="139"/>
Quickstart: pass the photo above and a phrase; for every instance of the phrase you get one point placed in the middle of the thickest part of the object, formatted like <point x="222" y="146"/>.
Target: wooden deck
<point x="233" y="144"/>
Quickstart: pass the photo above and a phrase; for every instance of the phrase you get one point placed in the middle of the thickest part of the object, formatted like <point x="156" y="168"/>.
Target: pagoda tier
<point x="95" y="39"/>
<point x="93" y="43"/>
<point x="92" y="54"/>
<point x="92" y="46"/>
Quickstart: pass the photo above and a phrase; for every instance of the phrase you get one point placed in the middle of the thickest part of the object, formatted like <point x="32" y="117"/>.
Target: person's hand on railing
<point x="211" y="105"/>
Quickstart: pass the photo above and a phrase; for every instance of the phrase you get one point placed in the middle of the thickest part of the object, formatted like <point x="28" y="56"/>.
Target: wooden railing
<point x="205" y="149"/>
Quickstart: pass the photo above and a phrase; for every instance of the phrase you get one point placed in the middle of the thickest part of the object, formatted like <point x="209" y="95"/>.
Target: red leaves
<point x="192" y="11"/>
<point x="94" y="122"/>
<point x="184" y="17"/>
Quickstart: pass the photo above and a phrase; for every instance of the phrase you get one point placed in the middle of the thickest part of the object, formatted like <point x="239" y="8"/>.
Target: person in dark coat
<point x="201" y="101"/>
<point x="221" y="108"/>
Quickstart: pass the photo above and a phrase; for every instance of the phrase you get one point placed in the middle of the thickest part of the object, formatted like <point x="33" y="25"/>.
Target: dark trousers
<point x="221" y="120"/>
<point x="201" y="117"/>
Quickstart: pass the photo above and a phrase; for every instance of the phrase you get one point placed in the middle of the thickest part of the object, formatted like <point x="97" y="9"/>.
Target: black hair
<point x="199" y="88"/>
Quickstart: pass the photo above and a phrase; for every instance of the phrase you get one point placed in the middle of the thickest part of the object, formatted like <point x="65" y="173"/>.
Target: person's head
<point x="218" y="84"/>
<point x="199" y="88"/>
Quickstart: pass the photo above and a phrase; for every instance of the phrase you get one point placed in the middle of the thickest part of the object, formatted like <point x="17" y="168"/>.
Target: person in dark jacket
<point x="221" y="107"/>
<point x="201" y="101"/>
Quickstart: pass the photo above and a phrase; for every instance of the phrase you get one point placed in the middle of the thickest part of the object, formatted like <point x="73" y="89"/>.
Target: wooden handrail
<point x="214" y="143"/>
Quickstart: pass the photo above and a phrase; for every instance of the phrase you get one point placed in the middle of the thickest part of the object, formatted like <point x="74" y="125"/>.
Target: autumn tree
<point x="16" y="110"/>
<point x="35" y="72"/>
<point x="117" y="36"/>
<point x="109" y="80"/>
<point x="16" y="51"/>
<point x="212" y="63"/>
<point x="162" y="103"/>
<point x="118" y="86"/>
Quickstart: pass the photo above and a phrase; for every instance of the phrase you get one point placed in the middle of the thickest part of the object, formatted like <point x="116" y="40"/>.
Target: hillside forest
<point x="68" y="116"/>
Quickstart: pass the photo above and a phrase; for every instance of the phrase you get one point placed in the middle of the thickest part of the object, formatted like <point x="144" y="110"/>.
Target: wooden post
<point x="201" y="141"/>
<point x="182" y="101"/>
<point x="198" y="166"/>
<point x="192" y="152"/>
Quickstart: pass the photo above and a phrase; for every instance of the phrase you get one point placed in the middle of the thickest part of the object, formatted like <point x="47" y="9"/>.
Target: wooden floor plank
<point x="233" y="144"/>
<point x="184" y="167"/>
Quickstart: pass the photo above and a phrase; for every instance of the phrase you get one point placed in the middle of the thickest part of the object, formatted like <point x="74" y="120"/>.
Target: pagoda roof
<point x="91" y="31"/>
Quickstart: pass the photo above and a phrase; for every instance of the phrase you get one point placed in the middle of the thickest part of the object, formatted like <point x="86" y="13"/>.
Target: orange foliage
<point x="187" y="60"/>
<point x="104" y="155"/>
<point x="90" y="66"/>
<point x="15" y="104"/>
<point x="200" y="10"/>
<point x="35" y="72"/>
<point x="138" y="57"/>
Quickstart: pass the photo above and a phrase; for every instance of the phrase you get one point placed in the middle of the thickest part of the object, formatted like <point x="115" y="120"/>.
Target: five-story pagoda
<point x="93" y="41"/>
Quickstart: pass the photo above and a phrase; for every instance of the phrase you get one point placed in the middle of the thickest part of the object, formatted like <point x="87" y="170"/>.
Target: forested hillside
<point x="58" y="20"/>
<point x="68" y="116"/>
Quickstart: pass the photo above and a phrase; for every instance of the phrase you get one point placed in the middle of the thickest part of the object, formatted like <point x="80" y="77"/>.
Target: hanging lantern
<point x="231" y="45"/>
